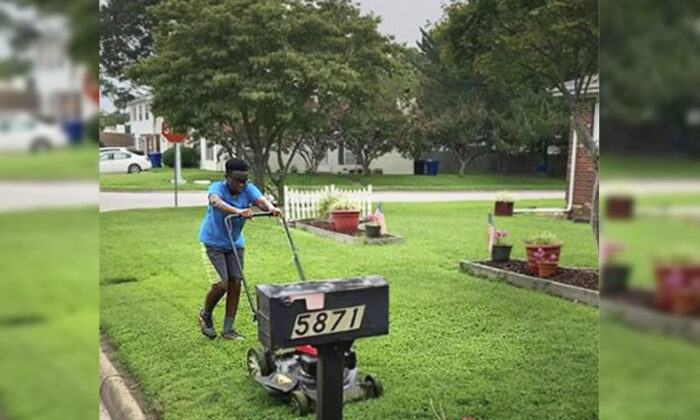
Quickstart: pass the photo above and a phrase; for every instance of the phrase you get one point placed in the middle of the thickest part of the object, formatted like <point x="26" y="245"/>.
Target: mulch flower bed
<point x="643" y="298"/>
<point x="581" y="277"/>
<point x="322" y="224"/>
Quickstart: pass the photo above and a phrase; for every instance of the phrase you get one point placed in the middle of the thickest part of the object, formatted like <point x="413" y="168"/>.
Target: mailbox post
<point x="329" y="315"/>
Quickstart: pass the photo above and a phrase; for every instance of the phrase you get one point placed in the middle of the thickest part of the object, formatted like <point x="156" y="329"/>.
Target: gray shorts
<point x="225" y="263"/>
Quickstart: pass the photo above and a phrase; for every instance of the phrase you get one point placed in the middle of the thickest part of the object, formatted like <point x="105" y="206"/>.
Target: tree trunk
<point x="462" y="166"/>
<point x="259" y="164"/>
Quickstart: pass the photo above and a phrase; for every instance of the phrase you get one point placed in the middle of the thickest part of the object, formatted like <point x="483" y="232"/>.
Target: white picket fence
<point x="304" y="204"/>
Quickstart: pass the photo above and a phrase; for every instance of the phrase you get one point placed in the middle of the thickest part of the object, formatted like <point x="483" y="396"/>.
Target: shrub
<point x="189" y="157"/>
<point x="543" y="238"/>
<point x="378" y="171"/>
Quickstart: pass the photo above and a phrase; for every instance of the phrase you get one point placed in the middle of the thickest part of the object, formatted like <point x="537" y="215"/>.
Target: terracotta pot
<point x="373" y="231"/>
<point x="614" y="278"/>
<point x="549" y="250"/>
<point x="619" y="207"/>
<point x="344" y="220"/>
<point x="672" y="279"/>
<point x="547" y="268"/>
<point x="503" y="208"/>
<point x="685" y="301"/>
<point x="501" y="253"/>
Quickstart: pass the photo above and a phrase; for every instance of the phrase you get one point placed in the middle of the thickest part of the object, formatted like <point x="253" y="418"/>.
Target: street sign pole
<point x="177" y="168"/>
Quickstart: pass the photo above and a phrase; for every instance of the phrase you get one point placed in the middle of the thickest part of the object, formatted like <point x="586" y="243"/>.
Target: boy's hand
<point x="246" y="213"/>
<point x="276" y="212"/>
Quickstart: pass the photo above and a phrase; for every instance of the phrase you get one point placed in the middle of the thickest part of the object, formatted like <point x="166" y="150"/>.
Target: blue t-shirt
<point x="213" y="230"/>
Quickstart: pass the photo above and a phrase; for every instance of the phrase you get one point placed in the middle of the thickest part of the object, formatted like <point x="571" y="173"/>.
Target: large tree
<point x="452" y="109"/>
<point x="125" y="37"/>
<point x="257" y="65"/>
<point x="548" y="42"/>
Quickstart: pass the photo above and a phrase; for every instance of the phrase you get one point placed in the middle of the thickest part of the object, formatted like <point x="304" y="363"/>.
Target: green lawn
<point x="49" y="315"/>
<point x="160" y="179"/>
<point x="69" y="163"/>
<point x="632" y="167"/>
<point x="646" y="376"/>
<point x="477" y="348"/>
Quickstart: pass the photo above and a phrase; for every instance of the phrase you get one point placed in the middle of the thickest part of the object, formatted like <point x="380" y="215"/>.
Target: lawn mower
<point x="291" y="373"/>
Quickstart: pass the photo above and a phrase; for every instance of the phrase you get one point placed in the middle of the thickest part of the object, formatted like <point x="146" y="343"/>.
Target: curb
<point x="573" y="293"/>
<point x="115" y="394"/>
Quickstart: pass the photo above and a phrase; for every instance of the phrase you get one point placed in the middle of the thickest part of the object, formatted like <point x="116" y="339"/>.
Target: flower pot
<point x="501" y="253"/>
<point x="619" y="207"/>
<point x="551" y="252"/>
<point x="547" y="268"/>
<point x="614" y="278"/>
<point x="674" y="279"/>
<point x="685" y="301"/>
<point x="373" y="231"/>
<point x="503" y="208"/>
<point x="344" y="220"/>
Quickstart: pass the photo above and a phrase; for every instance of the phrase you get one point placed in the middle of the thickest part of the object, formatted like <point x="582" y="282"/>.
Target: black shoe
<point x="207" y="325"/>
<point x="231" y="335"/>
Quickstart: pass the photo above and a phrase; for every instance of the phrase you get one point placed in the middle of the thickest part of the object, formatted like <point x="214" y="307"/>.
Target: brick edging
<point x="573" y="293"/>
<point x="650" y="320"/>
<point x="349" y="239"/>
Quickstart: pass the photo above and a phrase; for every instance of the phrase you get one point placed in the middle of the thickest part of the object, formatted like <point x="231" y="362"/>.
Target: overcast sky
<point x="400" y="18"/>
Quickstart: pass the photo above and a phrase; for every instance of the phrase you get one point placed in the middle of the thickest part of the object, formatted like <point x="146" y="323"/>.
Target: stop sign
<point x="172" y="137"/>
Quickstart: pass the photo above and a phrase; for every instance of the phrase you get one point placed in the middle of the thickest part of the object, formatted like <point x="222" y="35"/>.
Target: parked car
<point x="122" y="160"/>
<point x="22" y="132"/>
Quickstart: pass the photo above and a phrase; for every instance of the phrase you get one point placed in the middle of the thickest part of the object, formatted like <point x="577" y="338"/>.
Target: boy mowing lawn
<point x="234" y="195"/>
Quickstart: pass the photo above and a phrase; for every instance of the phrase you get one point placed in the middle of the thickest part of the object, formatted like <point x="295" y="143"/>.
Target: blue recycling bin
<point x="155" y="159"/>
<point x="73" y="128"/>
<point x="432" y="167"/>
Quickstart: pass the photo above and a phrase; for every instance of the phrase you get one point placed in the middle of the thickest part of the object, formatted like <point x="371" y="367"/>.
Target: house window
<point x="210" y="152"/>
<point x="345" y="157"/>
<point x="133" y="113"/>
<point x="147" y="112"/>
<point x="140" y="112"/>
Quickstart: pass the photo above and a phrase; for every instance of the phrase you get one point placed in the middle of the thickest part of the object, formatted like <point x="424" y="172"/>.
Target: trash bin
<point x="73" y="128"/>
<point x="155" y="159"/>
<point x="419" y="167"/>
<point x="432" y="167"/>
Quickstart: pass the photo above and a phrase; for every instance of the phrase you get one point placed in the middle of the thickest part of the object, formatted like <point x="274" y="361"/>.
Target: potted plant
<point x="546" y="243"/>
<point x="500" y="251"/>
<point x="614" y="274"/>
<point x="619" y="206"/>
<point x="344" y="215"/>
<point x="373" y="229"/>
<point x="504" y="204"/>
<point x="678" y="281"/>
<point x="546" y="263"/>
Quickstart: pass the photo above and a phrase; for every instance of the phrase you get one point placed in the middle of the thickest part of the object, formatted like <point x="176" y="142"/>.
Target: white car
<point x="21" y="132"/>
<point x="123" y="161"/>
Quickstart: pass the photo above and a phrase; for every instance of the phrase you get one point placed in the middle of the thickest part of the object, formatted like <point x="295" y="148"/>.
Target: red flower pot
<point x="619" y="207"/>
<point x="547" y="268"/>
<point x="344" y="220"/>
<point x="503" y="208"/>
<point x="551" y="253"/>
<point x="677" y="286"/>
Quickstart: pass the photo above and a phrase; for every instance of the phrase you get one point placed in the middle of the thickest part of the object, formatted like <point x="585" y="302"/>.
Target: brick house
<point x="580" y="179"/>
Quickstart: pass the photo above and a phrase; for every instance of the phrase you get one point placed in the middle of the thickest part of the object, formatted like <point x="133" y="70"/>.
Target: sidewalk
<point x="110" y="201"/>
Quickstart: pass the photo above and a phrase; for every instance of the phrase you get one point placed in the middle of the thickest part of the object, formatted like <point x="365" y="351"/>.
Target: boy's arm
<point x="217" y="202"/>
<point x="264" y="204"/>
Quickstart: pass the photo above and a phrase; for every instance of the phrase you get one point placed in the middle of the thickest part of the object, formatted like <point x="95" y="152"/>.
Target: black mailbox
<point x="322" y="312"/>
